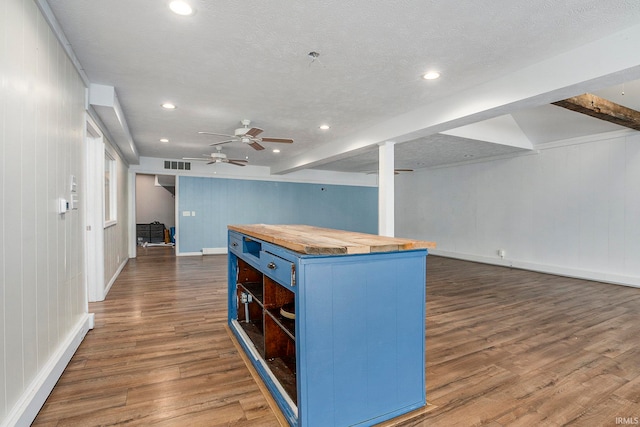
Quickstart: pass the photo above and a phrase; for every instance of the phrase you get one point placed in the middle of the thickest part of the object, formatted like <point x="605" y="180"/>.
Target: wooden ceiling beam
<point x="602" y="109"/>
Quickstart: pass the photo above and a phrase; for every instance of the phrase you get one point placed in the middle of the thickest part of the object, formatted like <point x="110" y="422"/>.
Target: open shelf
<point x="287" y="325"/>
<point x="284" y="370"/>
<point x="273" y="335"/>
<point x="280" y="354"/>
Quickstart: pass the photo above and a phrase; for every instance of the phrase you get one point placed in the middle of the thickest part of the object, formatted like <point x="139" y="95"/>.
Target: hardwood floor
<point x="504" y="347"/>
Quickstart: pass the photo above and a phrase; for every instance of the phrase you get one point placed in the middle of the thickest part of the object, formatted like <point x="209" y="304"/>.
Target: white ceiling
<point x="502" y="62"/>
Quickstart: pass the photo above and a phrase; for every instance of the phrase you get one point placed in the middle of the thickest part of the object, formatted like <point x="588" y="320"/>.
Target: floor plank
<point x="504" y="347"/>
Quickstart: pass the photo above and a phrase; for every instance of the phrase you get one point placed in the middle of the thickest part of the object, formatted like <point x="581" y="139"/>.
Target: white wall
<point x="572" y="209"/>
<point x="154" y="203"/>
<point x="116" y="235"/>
<point x="43" y="302"/>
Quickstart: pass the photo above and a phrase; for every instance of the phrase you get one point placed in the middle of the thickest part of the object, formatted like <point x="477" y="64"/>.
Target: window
<point x="110" y="204"/>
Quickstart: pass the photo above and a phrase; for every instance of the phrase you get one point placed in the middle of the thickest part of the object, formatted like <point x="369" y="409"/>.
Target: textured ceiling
<point x="235" y="60"/>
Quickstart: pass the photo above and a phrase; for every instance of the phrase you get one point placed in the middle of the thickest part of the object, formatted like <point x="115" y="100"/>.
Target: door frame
<point x="93" y="205"/>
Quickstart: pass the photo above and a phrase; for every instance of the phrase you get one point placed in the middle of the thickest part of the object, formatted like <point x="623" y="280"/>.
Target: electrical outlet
<point x="245" y="298"/>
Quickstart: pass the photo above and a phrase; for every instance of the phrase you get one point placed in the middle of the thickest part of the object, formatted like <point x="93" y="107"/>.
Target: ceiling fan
<point x="218" y="157"/>
<point x="395" y="171"/>
<point x="248" y="136"/>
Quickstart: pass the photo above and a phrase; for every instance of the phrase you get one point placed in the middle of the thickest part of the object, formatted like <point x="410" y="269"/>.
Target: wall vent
<point x="172" y="164"/>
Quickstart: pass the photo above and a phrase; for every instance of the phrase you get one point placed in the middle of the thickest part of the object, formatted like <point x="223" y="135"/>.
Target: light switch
<point x="74" y="201"/>
<point x="193" y="213"/>
<point x="186" y="213"/>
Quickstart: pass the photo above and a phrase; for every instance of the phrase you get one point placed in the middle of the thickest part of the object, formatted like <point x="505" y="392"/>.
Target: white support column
<point x="386" y="203"/>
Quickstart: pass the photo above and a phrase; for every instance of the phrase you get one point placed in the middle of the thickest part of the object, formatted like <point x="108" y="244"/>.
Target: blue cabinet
<point x="338" y="339"/>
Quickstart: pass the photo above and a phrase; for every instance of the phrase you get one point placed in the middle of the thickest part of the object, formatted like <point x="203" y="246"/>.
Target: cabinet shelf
<point x="272" y="335"/>
<point x="255" y="334"/>
<point x="287" y="325"/>
<point x="284" y="370"/>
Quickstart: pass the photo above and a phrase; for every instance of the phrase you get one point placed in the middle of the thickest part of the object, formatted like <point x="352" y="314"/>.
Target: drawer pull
<point x="272" y="266"/>
<point x="234" y="244"/>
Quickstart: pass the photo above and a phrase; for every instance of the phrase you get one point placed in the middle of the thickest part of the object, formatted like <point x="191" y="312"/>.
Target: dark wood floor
<point x="504" y="347"/>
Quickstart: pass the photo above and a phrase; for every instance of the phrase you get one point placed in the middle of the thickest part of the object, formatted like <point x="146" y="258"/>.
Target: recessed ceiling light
<point x="431" y="75"/>
<point x="324" y="127"/>
<point x="164" y="140"/>
<point x="275" y="150"/>
<point x="181" y="8"/>
<point x="169" y="106"/>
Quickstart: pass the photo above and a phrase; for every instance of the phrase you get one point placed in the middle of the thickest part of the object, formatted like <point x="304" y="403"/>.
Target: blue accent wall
<point x="218" y="202"/>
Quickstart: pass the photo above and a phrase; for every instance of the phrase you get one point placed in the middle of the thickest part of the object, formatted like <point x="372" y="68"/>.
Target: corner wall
<point x="573" y="209"/>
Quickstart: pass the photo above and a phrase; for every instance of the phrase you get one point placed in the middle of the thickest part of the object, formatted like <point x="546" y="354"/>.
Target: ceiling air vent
<point x="172" y="164"/>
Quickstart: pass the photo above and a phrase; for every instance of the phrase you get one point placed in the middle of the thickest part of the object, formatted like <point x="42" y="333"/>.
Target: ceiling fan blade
<point x="239" y="160"/>
<point x="256" y="146"/>
<point x="210" y="162"/>
<point x="284" y="140"/>
<point x="216" y="134"/>
<point x="222" y="142"/>
<point x="254" y="132"/>
<point x="235" y="162"/>
<point x="395" y="171"/>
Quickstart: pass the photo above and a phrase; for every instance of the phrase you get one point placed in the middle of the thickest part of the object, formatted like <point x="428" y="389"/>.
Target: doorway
<point x="155" y="217"/>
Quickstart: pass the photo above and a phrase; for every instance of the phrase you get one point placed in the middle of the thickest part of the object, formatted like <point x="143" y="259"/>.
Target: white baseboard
<point x="31" y="401"/>
<point x="205" y="251"/>
<point x="616" y="279"/>
<point x="114" y="277"/>
<point x="214" y="251"/>
<point x="189" y="254"/>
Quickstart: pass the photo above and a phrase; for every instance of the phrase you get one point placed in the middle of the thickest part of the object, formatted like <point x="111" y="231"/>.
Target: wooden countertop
<point x="308" y="239"/>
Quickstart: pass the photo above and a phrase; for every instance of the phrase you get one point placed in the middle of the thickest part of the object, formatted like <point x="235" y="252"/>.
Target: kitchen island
<point x="333" y="321"/>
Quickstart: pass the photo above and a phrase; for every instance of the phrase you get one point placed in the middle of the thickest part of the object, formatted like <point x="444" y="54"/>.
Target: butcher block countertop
<point x="312" y="240"/>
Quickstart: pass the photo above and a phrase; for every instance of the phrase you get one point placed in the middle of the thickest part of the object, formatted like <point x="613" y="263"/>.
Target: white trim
<point x="33" y="398"/>
<point x="111" y="164"/>
<point x="214" y="251"/>
<point x="189" y="254"/>
<point x="113" y="278"/>
<point x="599" y="276"/>
<point x="133" y="241"/>
<point x="93" y="199"/>
<point x="176" y="204"/>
